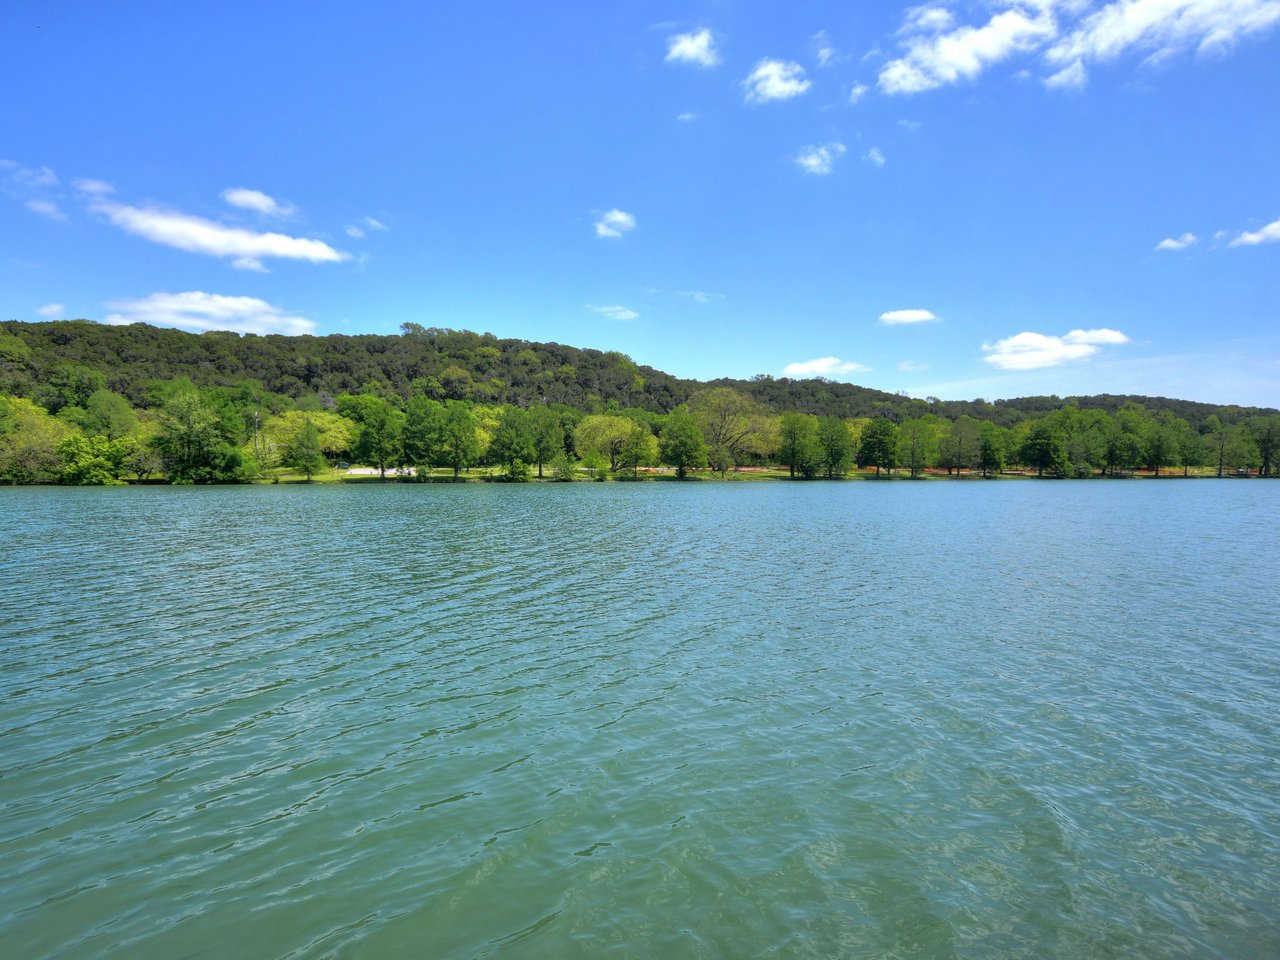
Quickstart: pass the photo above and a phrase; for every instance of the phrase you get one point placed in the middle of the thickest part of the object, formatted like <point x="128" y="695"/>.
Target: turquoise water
<point x="654" y="720"/>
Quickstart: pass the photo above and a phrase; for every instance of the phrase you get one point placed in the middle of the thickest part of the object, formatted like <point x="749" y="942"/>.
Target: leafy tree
<point x="459" y="443"/>
<point x="602" y="434"/>
<point x="563" y="469"/>
<point x="513" y="438"/>
<point x="639" y="450"/>
<point x="879" y="447"/>
<point x="799" y="446"/>
<point x="1229" y="445"/>
<point x="1163" y="442"/>
<point x="959" y="448"/>
<point x="29" y="447"/>
<point x="423" y="434"/>
<point x="1045" y="449"/>
<point x="836" y="446"/>
<point x="192" y="444"/>
<point x="70" y="385"/>
<point x="548" y="435"/>
<point x="732" y="424"/>
<point x="379" y="439"/>
<point x="681" y="443"/>
<point x="991" y="449"/>
<point x="917" y="445"/>
<point x="93" y="461"/>
<point x="304" y="454"/>
<point x="1266" y="436"/>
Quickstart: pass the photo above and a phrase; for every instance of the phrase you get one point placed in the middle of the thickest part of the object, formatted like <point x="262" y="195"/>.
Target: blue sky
<point x="986" y="199"/>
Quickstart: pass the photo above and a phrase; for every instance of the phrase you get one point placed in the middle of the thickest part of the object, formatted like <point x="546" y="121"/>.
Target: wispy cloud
<point x="1177" y="243"/>
<point x="1071" y="77"/>
<point x="858" y="91"/>
<point x="897" y="317"/>
<point x="874" y="156"/>
<point x="614" y="223"/>
<point x="1031" y="351"/>
<point x="93" y="188"/>
<point x="697" y="48"/>
<point x="46" y="208"/>
<point x="823" y="50"/>
<point x="351" y="230"/>
<point x="819" y="160"/>
<point x="912" y="366"/>
<point x="1268" y="234"/>
<point x="374" y="224"/>
<point x="52" y="311"/>
<point x="687" y="117"/>
<point x="614" y="312"/>
<point x="775" y="80"/>
<point x="246" y="249"/>
<point x="823" y="367"/>
<point x="257" y="201"/>
<point x="699" y="296"/>
<point x="199" y="311"/>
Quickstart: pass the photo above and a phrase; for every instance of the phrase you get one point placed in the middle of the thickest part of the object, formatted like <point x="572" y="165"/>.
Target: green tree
<point x="602" y="434"/>
<point x="879" y="446"/>
<point x="379" y="439"/>
<point x="29" y="446"/>
<point x="959" y="448"/>
<point x="1229" y="445"/>
<point x="459" y="442"/>
<point x="423" y="434"/>
<point x="733" y="425"/>
<point x="1045" y="449"/>
<point x="548" y="435"/>
<point x="513" y="439"/>
<point x="639" y="450"/>
<point x="681" y="443"/>
<point x="305" y="454"/>
<point x="917" y="445"/>
<point x="991" y="449"/>
<point x="1266" y="437"/>
<point x="836" y="445"/>
<point x="93" y="461"/>
<point x="799" y="446"/>
<point x="1163" y="443"/>
<point x="193" y="445"/>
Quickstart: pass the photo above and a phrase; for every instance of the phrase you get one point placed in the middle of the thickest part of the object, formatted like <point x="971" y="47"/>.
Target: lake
<point x="940" y="719"/>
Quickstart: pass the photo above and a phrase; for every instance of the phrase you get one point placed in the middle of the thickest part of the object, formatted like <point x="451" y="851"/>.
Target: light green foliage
<point x="798" y="445"/>
<point x="14" y="351"/>
<point x="681" y="444"/>
<point x="423" y="436"/>
<point x="603" y="435"/>
<point x="304" y="453"/>
<point x="193" y="444"/>
<point x="640" y="449"/>
<point x="991" y="448"/>
<point x="917" y="445"/>
<point x="29" y="448"/>
<point x="563" y="469"/>
<point x="879" y="446"/>
<point x="93" y="461"/>
<point x="836" y="445"/>
<point x="733" y="425"/>
<point x="518" y="471"/>
<point x="548" y="435"/>
<point x="337" y="434"/>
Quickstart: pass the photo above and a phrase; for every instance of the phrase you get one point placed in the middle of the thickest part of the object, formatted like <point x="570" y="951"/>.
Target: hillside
<point x="456" y="364"/>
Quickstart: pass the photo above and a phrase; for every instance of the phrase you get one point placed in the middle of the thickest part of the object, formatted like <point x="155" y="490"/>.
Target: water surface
<point x="700" y="720"/>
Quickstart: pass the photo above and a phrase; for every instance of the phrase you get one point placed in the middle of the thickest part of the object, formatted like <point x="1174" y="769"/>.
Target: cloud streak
<point x="1268" y="234"/>
<point x="615" y="312"/>
<point x="1177" y="243"/>
<point x="199" y="312"/>
<point x="257" y="201"/>
<point x="823" y="367"/>
<point x="898" y="317"/>
<point x="614" y="223"/>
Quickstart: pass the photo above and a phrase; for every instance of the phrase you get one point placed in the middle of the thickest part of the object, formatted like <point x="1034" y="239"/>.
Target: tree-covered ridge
<point x="460" y="365"/>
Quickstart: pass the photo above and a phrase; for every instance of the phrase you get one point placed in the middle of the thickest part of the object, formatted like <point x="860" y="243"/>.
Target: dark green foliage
<point x="380" y="440"/>
<point x="513" y="440"/>
<point x="879" y="446"/>
<point x="1045" y="449"/>
<point x="835" y="444"/>
<point x="193" y="444"/>
<point x="799" y="447"/>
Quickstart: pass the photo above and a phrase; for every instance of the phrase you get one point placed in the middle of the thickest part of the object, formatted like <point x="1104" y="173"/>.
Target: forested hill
<point x="451" y="364"/>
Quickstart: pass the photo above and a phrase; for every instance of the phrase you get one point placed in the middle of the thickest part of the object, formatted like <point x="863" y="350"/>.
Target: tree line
<point x="77" y="430"/>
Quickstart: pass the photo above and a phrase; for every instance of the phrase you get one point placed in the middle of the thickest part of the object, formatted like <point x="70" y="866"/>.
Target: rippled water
<point x="655" y="720"/>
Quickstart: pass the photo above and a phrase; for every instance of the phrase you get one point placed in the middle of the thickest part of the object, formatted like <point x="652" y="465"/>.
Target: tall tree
<point x="958" y="449"/>
<point x="460" y="446"/>
<point x="879" y="446"/>
<point x="1266" y="437"/>
<point x="1045" y="449"/>
<point x="681" y="444"/>
<point x="732" y="424"/>
<point x="380" y="440"/>
<point x="305" y="455"/>
<point x="639" y="450"/>
<point x="799" y="446"/>
<point x="513" y="439"/>
<point x="836" y="444"/>
<point x="548" y="435"/>
<point x="602" y="435"/>
<point x="917" y="445"/>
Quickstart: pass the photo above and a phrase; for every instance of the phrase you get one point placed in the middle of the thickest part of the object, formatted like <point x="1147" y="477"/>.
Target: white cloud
<point x="1268" y="234"/>
<point x="775" y="80"/>
<point x="52" y="310"/>
<point x="825" y="53"/>
<point x="1177" y="243"/>
<point x="823" y="367"/>
<point x="875" y="155"/>
<point x="858" y="91"/>
<point x="257" y="201"/>
<point x="927" y="19"/>
<point x="1163" y="28"/>
<point x="912" y="366"/>
<point x="1031" y="351"/>
<point x="687" y="117"/>
<point x="1071" y="77"/>
<point x="935" y="60"/>
<point x="32" y="177"/>
<point x="896" y="317"/>
<point x="351" y="230"/>
<point x="910" y="126"/>
<point x="697" y="48"/>
<point x="374" y="224"/>
<point x="93" y="187"/>
<point x="819" y="160"/>
<point x="615" y="312"/>
<point x="699" y="296"/>
<point x="47" y="208"/>
<point x="614" y="223"/>
<point x="200" y="311"/>
<point x="246" y="248"/>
